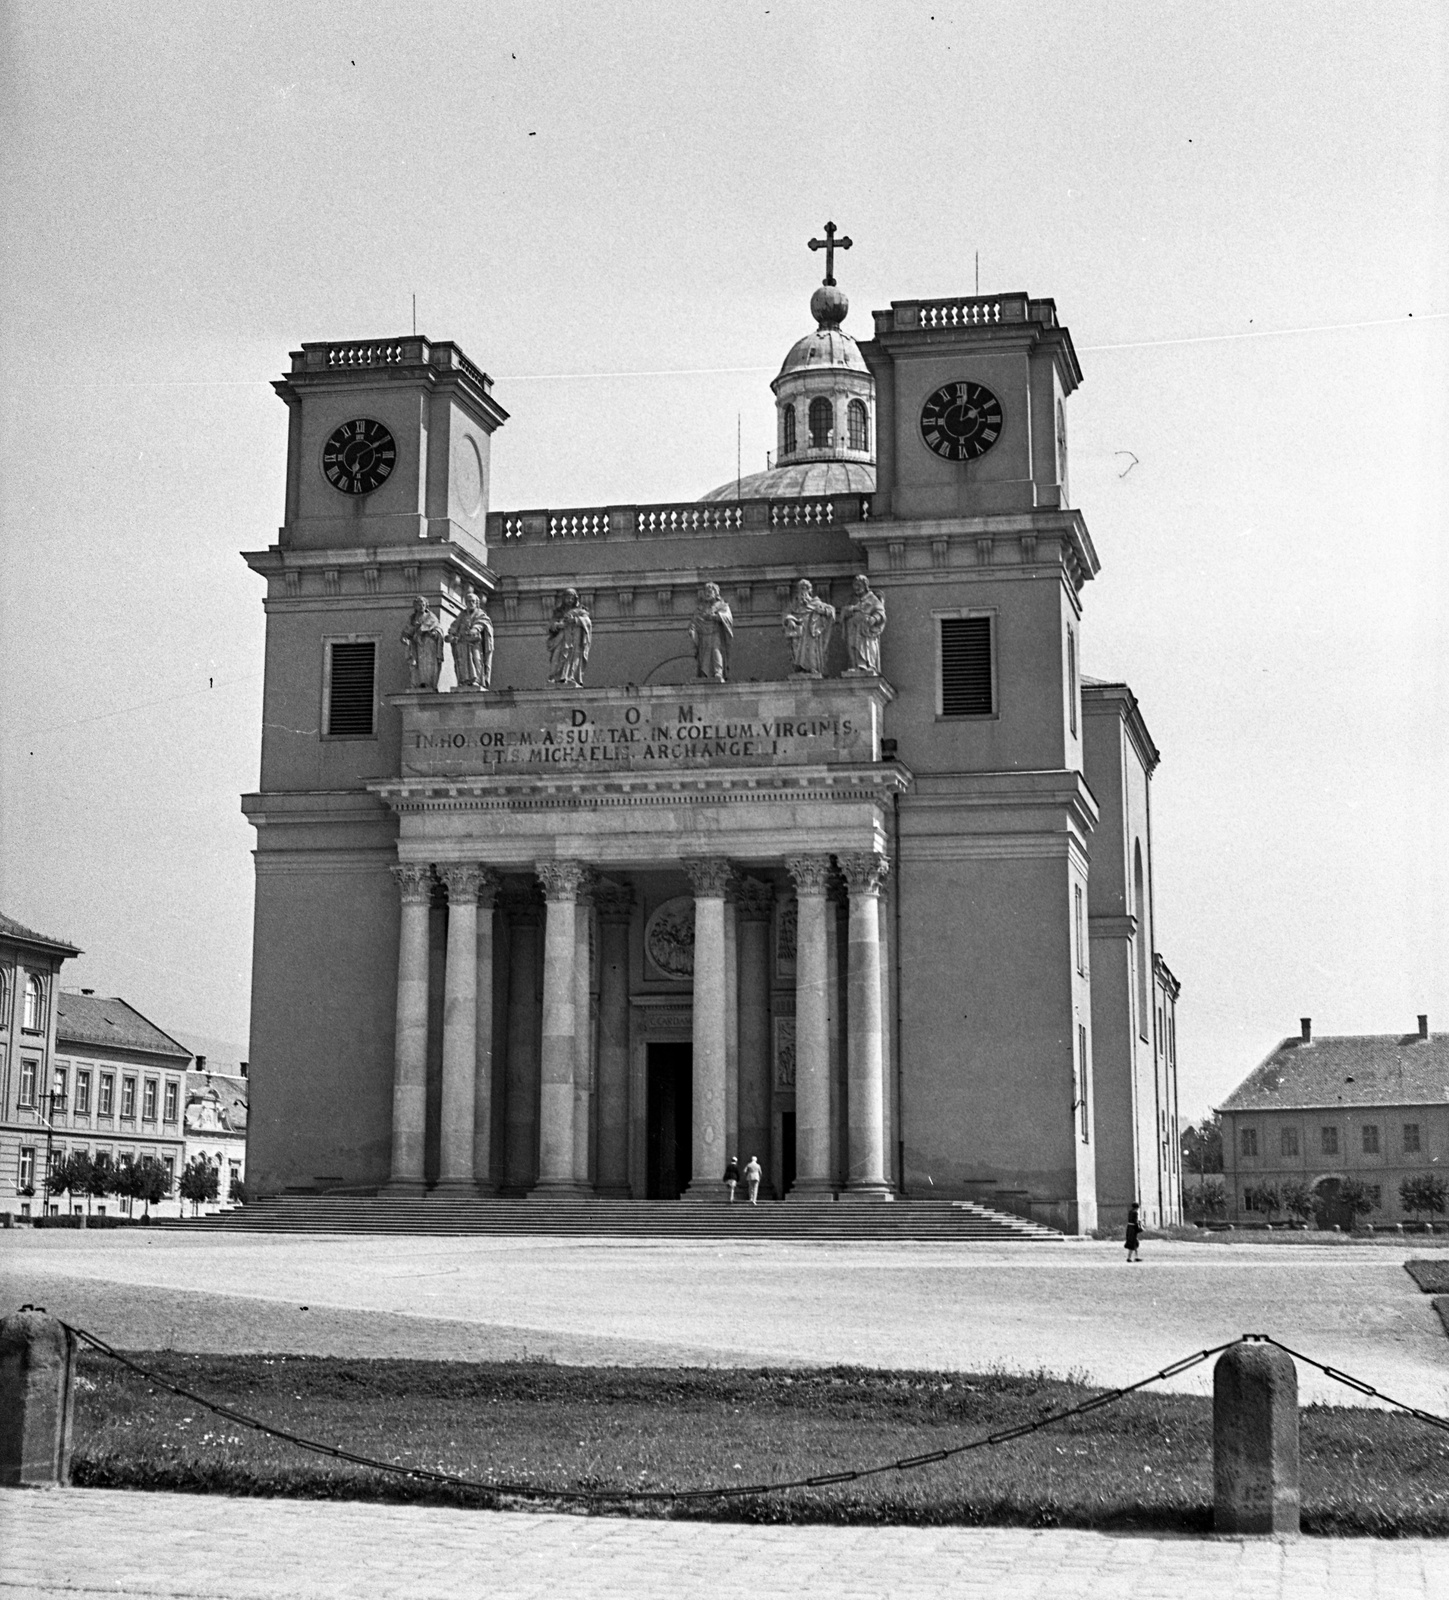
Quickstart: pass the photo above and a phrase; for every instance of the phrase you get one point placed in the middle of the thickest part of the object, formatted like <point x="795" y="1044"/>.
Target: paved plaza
<point x="75" y="1543"/>
<point x="1073" y="1307"/>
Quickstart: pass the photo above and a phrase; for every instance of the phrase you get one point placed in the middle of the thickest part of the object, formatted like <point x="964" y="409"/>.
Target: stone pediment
<point x="664" y="731"/>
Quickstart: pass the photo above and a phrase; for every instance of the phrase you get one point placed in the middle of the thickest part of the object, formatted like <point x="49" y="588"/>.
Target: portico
<point x="769" y="806"/>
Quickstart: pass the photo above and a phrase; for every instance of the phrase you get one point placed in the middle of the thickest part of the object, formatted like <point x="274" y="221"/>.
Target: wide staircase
<point x="937" y="1221"/>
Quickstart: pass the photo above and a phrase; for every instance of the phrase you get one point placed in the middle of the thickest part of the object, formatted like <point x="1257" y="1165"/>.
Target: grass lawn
<point x="1144" y="1462"/>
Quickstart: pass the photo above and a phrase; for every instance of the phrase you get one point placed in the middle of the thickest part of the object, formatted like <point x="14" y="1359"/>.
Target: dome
<point x="806" y="478"/>
<point x="823" y="350"/>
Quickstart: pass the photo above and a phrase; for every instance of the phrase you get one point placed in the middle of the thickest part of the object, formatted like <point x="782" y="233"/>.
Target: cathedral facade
<point x="599" y="845"/>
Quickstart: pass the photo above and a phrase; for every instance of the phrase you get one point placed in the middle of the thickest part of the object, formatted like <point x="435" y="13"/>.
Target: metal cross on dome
<point x="830" y="244"/>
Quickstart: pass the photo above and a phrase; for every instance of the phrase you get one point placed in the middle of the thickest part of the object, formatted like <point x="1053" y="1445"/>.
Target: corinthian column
<point x="483" y="1176"/>
<point x="561" y="882"/>
<point x="583" y="1029"/>
<point x="865" y="1049"/>
<point x="410" y="1058"/>
<point x="460" y="1028"/>
<point x="710" y="879"/>
<point x="812" y="1031"/>
<point x="755" y="900"/>
<point x="615" y="910"/>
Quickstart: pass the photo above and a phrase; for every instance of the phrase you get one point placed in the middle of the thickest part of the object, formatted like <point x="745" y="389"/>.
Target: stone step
<point x="959" y="1221"/>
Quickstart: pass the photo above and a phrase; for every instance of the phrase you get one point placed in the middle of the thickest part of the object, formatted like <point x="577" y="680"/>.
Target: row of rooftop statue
<point x="808" y="623"/>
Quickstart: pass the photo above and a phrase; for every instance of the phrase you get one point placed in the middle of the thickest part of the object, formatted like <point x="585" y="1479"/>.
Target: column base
<point x="813" y="1191"/>
<point x="877" y="1192"/>
<point x="404" y="1189"/>
<point x="711" y="1189"/>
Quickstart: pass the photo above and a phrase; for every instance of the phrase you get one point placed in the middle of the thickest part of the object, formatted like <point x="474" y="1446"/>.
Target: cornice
<point x="1106" y="699"/>
<point x="365" y="575"/>
<point x="980" y="546"/>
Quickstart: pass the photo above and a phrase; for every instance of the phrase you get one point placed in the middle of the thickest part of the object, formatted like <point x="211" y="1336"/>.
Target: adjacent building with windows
<point x="890" y="931"/>
<point x="30" y="964"/>
<point x="123" y="1081"/>
<point x="1374" y="1107"/>
<point x="216" y="1126"/>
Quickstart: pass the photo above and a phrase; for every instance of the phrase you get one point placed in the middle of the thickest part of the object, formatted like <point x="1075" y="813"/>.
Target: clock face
<point x="359" y="456"/>
<point x="961" y="421"/>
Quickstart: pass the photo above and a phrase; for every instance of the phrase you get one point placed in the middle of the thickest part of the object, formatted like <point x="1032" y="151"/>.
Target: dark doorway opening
<point x="670" y="1110"/>
<point x="1330" y="1209"/>
<point x="787" y="1152"/>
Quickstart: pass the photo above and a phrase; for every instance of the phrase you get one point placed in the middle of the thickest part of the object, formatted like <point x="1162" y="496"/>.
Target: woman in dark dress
<point x="732" y="1176"/>
<point x="1134" y="1234"/>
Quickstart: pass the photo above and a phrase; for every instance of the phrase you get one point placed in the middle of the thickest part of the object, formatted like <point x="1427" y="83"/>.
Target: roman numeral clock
<point x="961" y="421"/>
<point x="359" y="456"/>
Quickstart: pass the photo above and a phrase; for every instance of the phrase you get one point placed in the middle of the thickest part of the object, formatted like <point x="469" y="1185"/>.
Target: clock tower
<point x="970" y="399"/>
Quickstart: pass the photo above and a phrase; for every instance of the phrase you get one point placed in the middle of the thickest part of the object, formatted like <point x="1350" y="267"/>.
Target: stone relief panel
<point x="785" y="1053"/>
<point x="669" y="938"/>
<point x="786" y="925"/>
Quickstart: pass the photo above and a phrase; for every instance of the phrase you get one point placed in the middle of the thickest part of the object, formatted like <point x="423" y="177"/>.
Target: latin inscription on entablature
<point x="611" y="730"/>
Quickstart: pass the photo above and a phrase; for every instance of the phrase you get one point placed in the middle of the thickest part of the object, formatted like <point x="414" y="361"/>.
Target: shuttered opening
<point x="966" y="667"/>
<point x="350" y="690"/>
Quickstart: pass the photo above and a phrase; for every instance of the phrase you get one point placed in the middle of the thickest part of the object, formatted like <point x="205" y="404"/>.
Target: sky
<point x="1239" y="210"/>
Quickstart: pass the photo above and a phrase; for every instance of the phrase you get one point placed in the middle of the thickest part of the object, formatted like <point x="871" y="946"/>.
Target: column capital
<point x="864" y="872"/>
<point x="414" y="881"/>
<point x="811" y="874"/>
<point x="755" y="899"/>
<point x="615" y="902"/>
<point x="563" y="880"/>
<point x="461" y="879"/>
<point x="709" y="876"/>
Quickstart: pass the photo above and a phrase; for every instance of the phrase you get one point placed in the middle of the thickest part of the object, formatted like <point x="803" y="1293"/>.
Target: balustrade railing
<point x="967" y="313"/>
<point x="685" y="519"/>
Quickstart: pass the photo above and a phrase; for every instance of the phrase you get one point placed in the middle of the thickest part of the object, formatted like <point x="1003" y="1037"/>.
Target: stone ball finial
<point x="828" y="305"/>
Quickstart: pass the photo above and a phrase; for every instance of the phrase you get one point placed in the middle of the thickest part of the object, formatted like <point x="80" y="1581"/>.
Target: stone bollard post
<point x="37" y="1398"/>
<point x="1255" y="1441"/>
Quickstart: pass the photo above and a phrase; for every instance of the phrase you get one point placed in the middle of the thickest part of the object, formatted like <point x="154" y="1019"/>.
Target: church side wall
<point x="323" y="997"/>
<point x="988" y="1091"/>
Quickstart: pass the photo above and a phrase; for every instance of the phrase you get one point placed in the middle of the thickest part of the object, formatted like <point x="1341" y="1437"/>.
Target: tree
<point x="1205" y="1201"/>
<point x="1357" y="1196"/>
<point x="1424" y="1191"/>
<point x="1297" y="1198"/>
<point x="1202" y="1145"/>
<point x="238" y="1191"/>
<point x="123" y="1185"/>
<point x="75" y="1177"/>
<point x="101" y="1181"/>
<point x="199" y="1183"/>
<point x="1262" y="1197"/>
<point x="59" y="1177"/>
<point x="152" y="1183"/>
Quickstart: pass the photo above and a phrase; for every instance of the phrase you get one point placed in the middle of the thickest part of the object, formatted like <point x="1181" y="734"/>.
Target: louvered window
<point x="966" y="686"/>
<point x="350" y="679"/>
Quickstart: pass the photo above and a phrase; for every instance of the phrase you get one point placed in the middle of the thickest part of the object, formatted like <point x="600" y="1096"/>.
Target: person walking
<point x="1134" y="1234"/>
<point x="732" y="1176"/>
<point x="753" y="1174"/>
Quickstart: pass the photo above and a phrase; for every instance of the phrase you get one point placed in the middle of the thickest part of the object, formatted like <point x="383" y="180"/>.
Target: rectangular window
<point x="1328" y="1141"/>
<point x="1248" y="1141"/>
<point x="82" y="1092"/>
<point x="1288" y="1141"/>
<point x="967" y="678"/>
<point x="1086" y="1072"/>
<point x="106" y="1100"/>
<point x="169" y="1162"/>
<point x="1081" y="940"/>
<point x="171" y="1100"/>
<point x="62" y="1082"/>
<point x="28" y="1072"/>
<point x="351" y="680"/>
<point x="1411" y="1138"/>
<point x="1370" y="1138"/>
<point x="26" y="1179"/>
<point x="148" y="1100"/>
<point x="128" y="1098"/>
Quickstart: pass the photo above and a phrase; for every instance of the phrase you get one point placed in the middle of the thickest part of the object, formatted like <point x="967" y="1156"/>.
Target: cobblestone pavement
<point x="69" y="1542"/>
<point x="1058" y="1307"/>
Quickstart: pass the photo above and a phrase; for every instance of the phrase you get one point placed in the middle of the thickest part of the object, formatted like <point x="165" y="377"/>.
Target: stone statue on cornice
<point x="864" y="620"/>
<point x="712" y="633"/>
<point x="424" y="642"/>
<point x="471" y="637"/>
<point x="808" y="622"/>
<point x="570" y="634"/>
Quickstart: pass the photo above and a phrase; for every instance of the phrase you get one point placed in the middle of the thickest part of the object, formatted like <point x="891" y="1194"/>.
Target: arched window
<point x="33" y="1018"/>
<point x="787" y="447"/>
<point x="1139" y="905"/>
<point x="859" y="425"/>
<point x="822" y="418"/>
<point x="4" y="998"/>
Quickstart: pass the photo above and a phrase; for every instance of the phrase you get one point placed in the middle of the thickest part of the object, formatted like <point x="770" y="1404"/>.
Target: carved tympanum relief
<point x="669" y="938"/>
